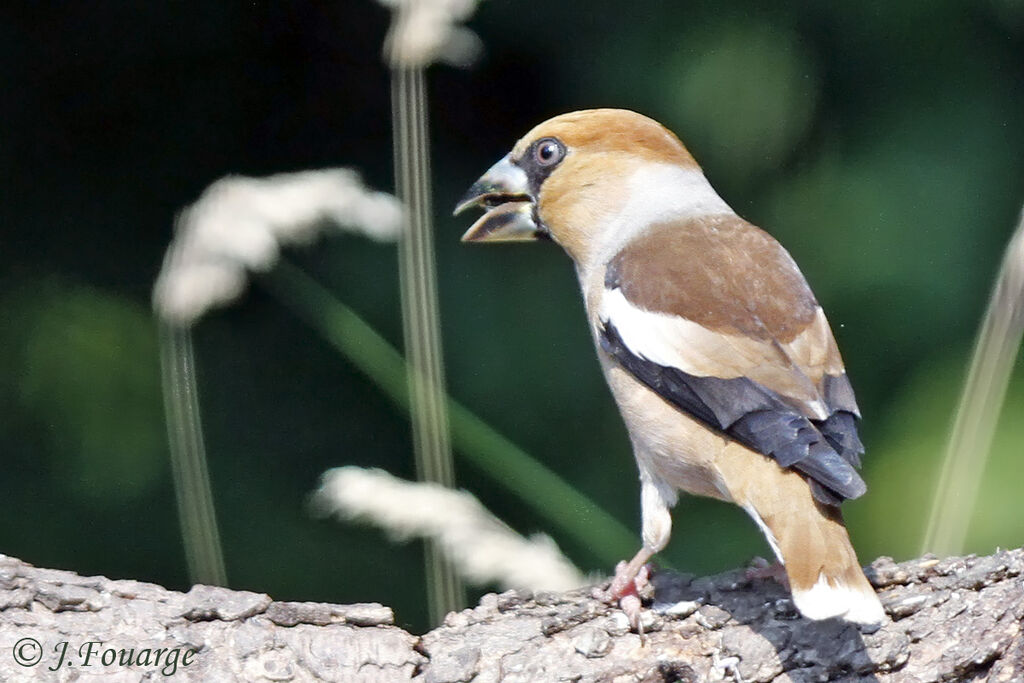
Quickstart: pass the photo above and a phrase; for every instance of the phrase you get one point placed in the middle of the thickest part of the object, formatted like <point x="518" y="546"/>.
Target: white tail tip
<point x="830" y="598"/>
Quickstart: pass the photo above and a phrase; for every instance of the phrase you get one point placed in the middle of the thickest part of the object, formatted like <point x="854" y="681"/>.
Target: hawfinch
<point x="719" y="357"/>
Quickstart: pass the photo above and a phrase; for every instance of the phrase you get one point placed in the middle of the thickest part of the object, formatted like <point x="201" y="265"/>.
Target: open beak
<point x="503" y="192"/>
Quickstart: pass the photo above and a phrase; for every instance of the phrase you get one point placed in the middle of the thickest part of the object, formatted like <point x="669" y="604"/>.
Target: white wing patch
<point x="793" y="370"/>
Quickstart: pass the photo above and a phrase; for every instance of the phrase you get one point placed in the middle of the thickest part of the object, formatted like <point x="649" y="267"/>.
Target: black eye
<point x="548" y="152"/>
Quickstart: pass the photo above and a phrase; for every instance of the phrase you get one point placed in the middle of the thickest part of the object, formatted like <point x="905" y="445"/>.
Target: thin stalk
<point x="196" y="515"/>
<point x="421" y="319"/>
<point x="540" y="489"/>
<point x="980" y="404"/>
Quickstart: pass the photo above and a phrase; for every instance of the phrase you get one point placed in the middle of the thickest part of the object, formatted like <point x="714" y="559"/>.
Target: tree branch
<point x="957" y="619"/>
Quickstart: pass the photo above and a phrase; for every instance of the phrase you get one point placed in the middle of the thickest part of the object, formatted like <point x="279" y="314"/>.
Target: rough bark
<point x="957" y="619"/>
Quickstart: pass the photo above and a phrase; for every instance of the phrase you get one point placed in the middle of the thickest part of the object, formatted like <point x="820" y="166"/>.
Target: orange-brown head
<point x="574" y="176"/>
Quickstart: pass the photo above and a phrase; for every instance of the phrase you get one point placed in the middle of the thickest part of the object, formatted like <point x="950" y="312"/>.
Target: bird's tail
<point x="810" y="540"/>
<point x="824" y="575"/>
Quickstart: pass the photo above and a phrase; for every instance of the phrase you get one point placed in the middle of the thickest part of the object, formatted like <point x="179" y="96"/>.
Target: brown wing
<point x="715" y="316"/>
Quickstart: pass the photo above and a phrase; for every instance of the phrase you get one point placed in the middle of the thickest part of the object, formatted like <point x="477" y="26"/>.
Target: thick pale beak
<point x="503" y="192"/>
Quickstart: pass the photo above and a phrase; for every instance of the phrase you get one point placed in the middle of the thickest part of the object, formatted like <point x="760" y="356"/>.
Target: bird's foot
<point x="760" y="568"/>
<point x="628" y="589"/>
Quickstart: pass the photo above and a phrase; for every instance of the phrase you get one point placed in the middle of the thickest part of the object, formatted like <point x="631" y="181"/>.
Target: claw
<point x="626" y="589"/>
<point x="631" y="607"/>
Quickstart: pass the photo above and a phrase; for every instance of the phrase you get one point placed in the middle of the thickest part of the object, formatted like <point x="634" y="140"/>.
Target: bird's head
<point x="574" y="178"/>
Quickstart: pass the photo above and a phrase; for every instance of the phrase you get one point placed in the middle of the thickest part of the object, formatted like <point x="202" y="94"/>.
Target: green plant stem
<point x="537" y="486"/>
<point x="196" y="515"/>
<point x="421" y="324"/>
<point x="977" y="414"/>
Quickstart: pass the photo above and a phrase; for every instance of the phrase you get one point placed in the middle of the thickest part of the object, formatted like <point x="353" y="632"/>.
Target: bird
<point x="720" y="358"/>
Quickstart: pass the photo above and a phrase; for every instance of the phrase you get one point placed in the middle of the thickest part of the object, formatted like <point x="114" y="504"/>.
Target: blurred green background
<point x="880" y="142"/>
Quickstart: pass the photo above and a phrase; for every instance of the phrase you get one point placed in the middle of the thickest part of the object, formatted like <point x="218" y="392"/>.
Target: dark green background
<point x="879" y="141"/>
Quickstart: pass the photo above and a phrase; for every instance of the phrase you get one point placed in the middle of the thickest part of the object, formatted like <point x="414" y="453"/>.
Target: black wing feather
<point x="825" y="451"/>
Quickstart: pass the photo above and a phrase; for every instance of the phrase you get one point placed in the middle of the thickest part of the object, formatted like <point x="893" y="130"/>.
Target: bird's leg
<point x="631" y="577"/>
